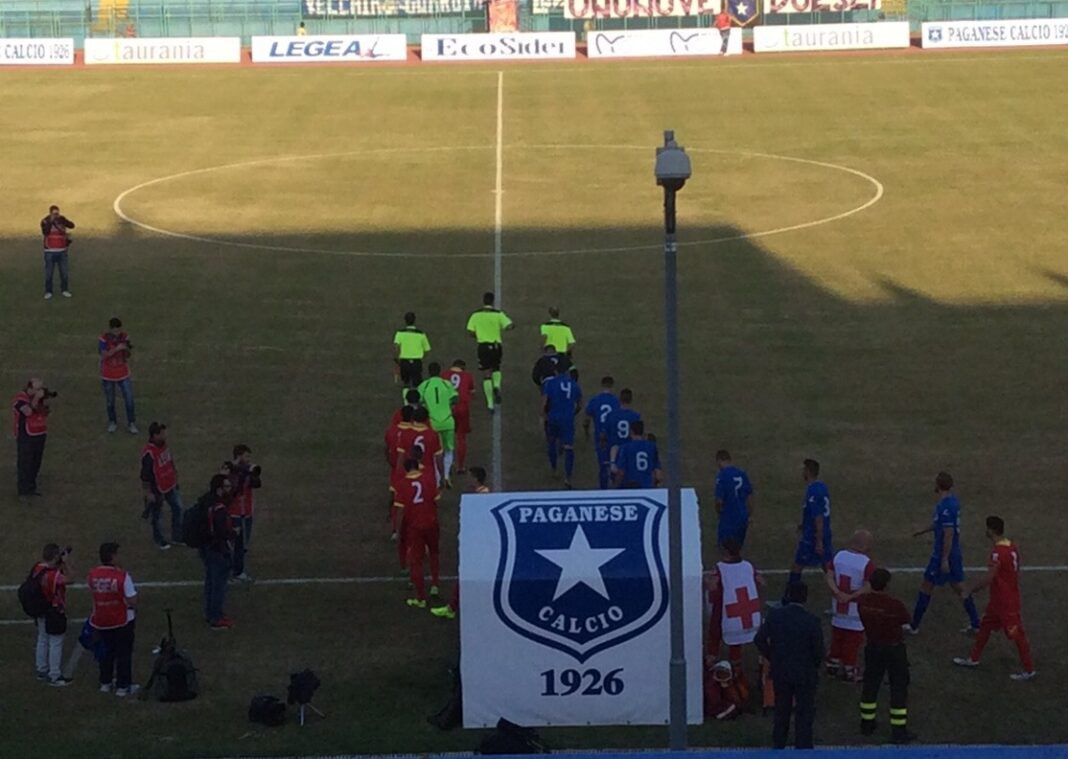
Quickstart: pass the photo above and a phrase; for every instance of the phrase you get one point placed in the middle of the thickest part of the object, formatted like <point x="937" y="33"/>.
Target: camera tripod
<point x="311" y="706"/>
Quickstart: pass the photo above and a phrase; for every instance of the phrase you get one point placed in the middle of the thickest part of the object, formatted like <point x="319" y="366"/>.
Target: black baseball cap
<point x="156" y="427"/>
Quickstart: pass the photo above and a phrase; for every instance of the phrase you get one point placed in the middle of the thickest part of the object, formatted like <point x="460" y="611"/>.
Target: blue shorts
<point x="806" y="556"/>
<point x="933" y="573"/>
<point x="561" y="430"/>
<point x="736" y="531"/>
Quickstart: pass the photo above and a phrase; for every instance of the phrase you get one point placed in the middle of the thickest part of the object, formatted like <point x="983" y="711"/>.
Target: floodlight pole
<point x="677" y="671"/>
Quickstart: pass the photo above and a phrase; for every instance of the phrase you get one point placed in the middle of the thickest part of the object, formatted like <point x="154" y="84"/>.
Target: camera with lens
<point x="65" y="553"/>
<point x="47" y="394"/>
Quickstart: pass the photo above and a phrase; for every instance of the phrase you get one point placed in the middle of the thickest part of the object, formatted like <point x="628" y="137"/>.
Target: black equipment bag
<point x="510" y="738"/>
<point x="452" y="714"/>
<point x="267" y="710"/>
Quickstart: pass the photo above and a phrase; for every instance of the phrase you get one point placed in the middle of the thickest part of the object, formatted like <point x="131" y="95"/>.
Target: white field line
<point x="386" y="580"/>
<point x="498" y="274"/>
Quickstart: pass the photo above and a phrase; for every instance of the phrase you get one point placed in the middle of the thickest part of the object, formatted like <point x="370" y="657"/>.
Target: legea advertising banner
<point x="802" y="37"/>
<point x="36" y="52"/>
<point x="1016" y="33"/>
<point x="360" y="48"/>
<point x="134" y="50"/>
<point x="661" y="43"/>
<point x="499" y="47"/>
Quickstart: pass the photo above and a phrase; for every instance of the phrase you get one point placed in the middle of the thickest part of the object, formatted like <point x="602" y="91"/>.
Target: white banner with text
<point x="820" y="6"/>
<point x="564" y="607"/>
<point x="358" y="48"/>
<point x="802" y="37"/>
<point x="640" y="8"/>
<point x="524" y="46"/>
<point x="666" y="43"/>
<point x="1015" y="33"/>
<point x="163" y="50"/>
<point x="36" y="52"/>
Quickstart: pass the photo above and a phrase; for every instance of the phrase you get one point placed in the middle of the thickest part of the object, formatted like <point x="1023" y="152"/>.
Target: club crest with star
<point x="580" y="576"/>
<point x="743" y="12"/>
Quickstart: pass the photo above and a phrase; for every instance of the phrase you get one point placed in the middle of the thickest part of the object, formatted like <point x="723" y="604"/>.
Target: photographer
<point x="56" y="231"/>
<point x="114" y="347"/>
<point x="30" y="411"/>
<point x="217" y="552"/>
<point x="244" y="477"/>
<point x="159" y="481"/>
<point x="51" y="573"/>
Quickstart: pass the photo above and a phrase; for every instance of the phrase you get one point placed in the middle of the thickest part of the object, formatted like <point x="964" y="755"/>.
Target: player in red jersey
<point x="417" y="503"/>
<point x="392" y="442"/>
<point x="1003" y="611"/>
<point x="464" y="383"/>
<point x="412" y="401"/>
<point x="419" y="433"/>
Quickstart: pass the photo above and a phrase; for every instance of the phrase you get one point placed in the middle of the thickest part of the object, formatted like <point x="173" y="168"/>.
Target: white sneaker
<point x="66" y="294"/>
<point x="105" y="688"/>
<point x="124" y="692"/>
<point x="48" y="296"/>
<point x="59" y="682"/>
<point x="910" y="629"/>
<point x="112" y="426"/>
<point x="163" y="546"/>
<point x="1022" y="677"/>
<point x="969" y="630"/>
<point x="132" y="428"/>
<point x="963" y="661"/>
<point x="243" y="577"/>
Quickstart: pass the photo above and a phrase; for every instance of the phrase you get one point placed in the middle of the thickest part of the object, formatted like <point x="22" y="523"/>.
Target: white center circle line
<point x="122" y="214"/>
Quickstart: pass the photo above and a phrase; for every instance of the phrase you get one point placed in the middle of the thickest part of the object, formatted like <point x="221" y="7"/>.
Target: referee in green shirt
<point x="486" y="326"/>
<point x="557" y="333"/>
<point x="409" y="346"/>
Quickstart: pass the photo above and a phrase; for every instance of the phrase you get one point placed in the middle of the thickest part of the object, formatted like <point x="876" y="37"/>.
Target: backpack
<point x="196" y="531"/>
<point x="267" y="710"/>
<point x="32" y="597"/>
<point x="510" y="738"/>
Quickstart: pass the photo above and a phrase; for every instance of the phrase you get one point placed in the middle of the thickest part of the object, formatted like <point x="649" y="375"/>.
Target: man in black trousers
<point x="792" y="640"/>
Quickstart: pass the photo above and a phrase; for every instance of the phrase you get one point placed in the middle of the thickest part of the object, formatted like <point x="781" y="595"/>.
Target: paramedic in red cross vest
<point x="29" y="411"/>
<point x="114" y="347"/>
<point x="159" y="479"/>
<point x="114" y="601"/>
<point x="56" y="231"/>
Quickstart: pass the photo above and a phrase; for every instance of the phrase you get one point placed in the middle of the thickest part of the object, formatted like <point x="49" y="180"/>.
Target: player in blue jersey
<point x="814" y="543"/>
<point x="947" y="561"/>
<point x="637" y="463"/>
<point x="617" y="425"/>
<point x="562" y="401"/>
<point x="597" y="410"/>
<point x="734" y="499"/>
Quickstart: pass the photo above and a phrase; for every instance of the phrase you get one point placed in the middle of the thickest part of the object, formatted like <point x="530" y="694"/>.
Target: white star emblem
<point x="741" y="9"/>
<point x="580" y="564"/>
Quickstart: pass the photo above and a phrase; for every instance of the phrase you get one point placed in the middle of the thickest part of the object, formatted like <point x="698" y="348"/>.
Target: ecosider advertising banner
<point x="527" y="46"/>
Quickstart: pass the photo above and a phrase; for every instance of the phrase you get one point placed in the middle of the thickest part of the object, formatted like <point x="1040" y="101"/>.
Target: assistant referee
<point x="486" y="325"/>
<point x="883" y="617"/>
<point x="410" y="344"/>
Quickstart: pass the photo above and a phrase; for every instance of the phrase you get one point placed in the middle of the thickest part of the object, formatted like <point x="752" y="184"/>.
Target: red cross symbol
<point x="845" y="586"/>
<point x="745" y="608"/>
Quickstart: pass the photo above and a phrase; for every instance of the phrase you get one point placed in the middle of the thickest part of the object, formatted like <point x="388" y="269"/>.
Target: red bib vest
<point x="114" y="368"/>
<point x="109" y="600"/>
<point x="36" y="422"/>
<point x="56" y="239"/>
<point x="163" y="470"/>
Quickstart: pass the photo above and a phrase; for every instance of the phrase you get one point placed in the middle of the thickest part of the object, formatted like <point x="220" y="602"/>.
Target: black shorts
<point x="411" y="371"/>
<point x="489" y="356"/>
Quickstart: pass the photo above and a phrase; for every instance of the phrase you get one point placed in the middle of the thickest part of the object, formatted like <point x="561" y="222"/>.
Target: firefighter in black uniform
<point x="884" y="618"/>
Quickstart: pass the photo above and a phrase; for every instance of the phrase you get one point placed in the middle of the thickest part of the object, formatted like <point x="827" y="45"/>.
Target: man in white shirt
<point x="849" y="572"/>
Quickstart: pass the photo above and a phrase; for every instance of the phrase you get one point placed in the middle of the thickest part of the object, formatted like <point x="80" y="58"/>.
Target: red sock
<point x="981" y="639"/>
<point x="1024" y="647"/>
<point x="455" y="601"/>
<point x="415" y="574"/>
<point x="461" y="450"/>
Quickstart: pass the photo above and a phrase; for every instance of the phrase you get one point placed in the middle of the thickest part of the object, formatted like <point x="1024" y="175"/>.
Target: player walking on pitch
<point x="439" y="397"/>
<point x="417" y="503"/>
<point x="947" y="561"/>
<point x="557" y="333"/>
<point x="464" y="384"/>
<point x="734" y="499"/>
<point x="410" y="344"/>
<point x="815" y="541"/>
<point x="487" y="325"/>
<point x="562" y="399"/>
<point x="1003" y="611"/>
<point x="598" y="408"/>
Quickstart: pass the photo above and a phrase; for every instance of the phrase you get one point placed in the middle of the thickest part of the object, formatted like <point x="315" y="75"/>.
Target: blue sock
<point x="551" y="448"/>
<point x="923" y="600"/>
<point x="973" y="615"/>
<point x="569" y="462"/>
<point x="602" y="475"/>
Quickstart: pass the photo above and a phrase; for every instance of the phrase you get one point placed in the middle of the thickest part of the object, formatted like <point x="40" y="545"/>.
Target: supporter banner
<point x="564" y="607"/>
<point x="639" y="8"/>
<point x="801" y="37"/>
<point x="1015" y="33"/>
<point x="316" y="49"/>
<point x="503" y="16"/>
<point x="820" y="6"/>
<point x="498" y="47"/>
<point x="36" y="52"/>
<point x="163" y="50"/>
<point x="353" y="8"/>
<point x="660" y="43"/>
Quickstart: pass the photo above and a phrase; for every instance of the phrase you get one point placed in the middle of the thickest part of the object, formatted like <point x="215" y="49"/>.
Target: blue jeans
<point x="216" y="575"/>
<point x="174" y="500"/>
<point x="52" y="258"/>
<point x="127" y="398"/>
<point x="243" y="528"/>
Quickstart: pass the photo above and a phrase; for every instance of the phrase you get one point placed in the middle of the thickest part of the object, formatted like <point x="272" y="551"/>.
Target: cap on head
<point x="107" y="552"/>
<point x="880" y="578"/>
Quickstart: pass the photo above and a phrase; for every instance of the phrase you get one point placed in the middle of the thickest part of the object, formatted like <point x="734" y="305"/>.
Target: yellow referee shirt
<point x="558" y="335"/>
<point x="413" y="343"/>
<point x="488" y="323"/>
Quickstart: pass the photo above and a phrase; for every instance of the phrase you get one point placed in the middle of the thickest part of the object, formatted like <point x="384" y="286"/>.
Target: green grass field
<point x="927" y="331"/>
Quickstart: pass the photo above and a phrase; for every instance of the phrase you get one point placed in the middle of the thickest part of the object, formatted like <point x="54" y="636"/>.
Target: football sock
<point x="794" y="577"/>
<point x="922" y="602"/>
<point x="435" y="567"/>
<point x="448" y="464"/>
<point x="415" y="574"/>
<point x="497" y="380"/>
<point x="550" y="447"/>
<point x="461" y="450"/>
<point x="569" y="462"/>
<point x="981" y="639"/>
<point x="487" y="388"/>
<point x="973" y="614"/>
<point x="602" y="475"/>
<point x="1024" y="647"/>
